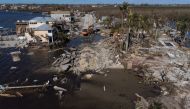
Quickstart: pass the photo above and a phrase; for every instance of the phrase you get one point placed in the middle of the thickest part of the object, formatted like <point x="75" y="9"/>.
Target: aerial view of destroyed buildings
<point x="123" y="55"/>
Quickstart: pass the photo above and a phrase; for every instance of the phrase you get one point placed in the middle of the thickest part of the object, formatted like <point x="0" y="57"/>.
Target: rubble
<point x="91" y="58"/>
<point x="5" y="91"/>
<point x="65" y="61"/>
<point x="141" y="102"/>
<point x="15" y="56"/>
<point x="59" y="84"/>
<point x="98" y="57"/>
<point x="13" y="68"/>
<point x="166" y="64"/>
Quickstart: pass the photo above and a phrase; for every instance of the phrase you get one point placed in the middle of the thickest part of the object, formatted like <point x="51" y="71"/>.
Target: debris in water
<point x="141" y="102"/>
<point x="87" y="76"/>
<point x="13" y="68"/>
<point x="59" y="88"/>
<point x="15" y="56"/>
<point x="35" y="81"/>
<point x="31" y="53"/>
<point x="104" y="88"/>
<point x="19" y="94"/>
<point x="129" y="65"/>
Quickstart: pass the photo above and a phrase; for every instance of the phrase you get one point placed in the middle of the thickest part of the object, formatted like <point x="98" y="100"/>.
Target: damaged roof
<point x="43" y="27"/>
<point x="42" y="19"/>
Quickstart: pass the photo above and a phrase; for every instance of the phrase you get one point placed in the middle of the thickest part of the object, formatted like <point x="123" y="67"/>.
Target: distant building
<point x="32" y="7"/>
<point x="61" y="15"/>
<point x="14" y="7"/>
<point x="94" y="6"/>
<point x="3" y="7"/>
<point x="23" y="6"/>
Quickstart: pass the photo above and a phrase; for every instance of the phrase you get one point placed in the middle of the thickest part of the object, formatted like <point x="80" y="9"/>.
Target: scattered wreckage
<point x="6" y="91"/>
<point x="88" y="60"/>
<point x="164" y="63"/>
<point x="58" y="84"/>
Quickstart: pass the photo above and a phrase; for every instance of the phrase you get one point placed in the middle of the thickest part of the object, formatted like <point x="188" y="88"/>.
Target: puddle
<point x="75" y="42"/>
<point x="168" y="44"/>
<point x="187" y="44"/>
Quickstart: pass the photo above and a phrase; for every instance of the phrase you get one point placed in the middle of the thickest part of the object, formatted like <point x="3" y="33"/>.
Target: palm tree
<point x="145" y="23"/>
<point x="107" y="21"/>
<point x="124" y="12"/>
<point x="130" y="20"/>
<point x="182" y="26"/>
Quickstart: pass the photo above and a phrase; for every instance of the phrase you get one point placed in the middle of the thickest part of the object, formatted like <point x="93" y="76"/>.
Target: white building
<point x="41" y="27"/>
<point x="43" y="32"/>
<point x="61" y="15"/>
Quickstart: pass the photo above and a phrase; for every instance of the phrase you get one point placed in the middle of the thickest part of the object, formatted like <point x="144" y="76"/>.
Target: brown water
<point x="31" y="66"/>
<point x="120" y="87"/>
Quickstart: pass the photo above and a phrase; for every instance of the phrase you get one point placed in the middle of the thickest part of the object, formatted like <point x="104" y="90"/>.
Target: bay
<point x="9" y="18"/>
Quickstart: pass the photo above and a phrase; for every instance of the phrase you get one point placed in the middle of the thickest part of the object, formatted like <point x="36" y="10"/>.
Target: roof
<point x="42" y="19"/>
<point x="60" y="12"/>
<point x="43" y="27"/>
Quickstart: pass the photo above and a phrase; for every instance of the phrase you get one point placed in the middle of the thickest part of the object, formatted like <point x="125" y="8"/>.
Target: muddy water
<point x="187" y="44"/>
<point x="114" y="91"/>
<point x="76" y="42"/>
<point x="33" y="62"/>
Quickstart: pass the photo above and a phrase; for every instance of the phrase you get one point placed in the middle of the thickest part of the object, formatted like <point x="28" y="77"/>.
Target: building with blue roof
<point x="41" y="27"/>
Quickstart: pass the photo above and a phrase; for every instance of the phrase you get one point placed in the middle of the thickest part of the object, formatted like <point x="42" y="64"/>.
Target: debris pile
<point x="98" y="57"/>
<point x="141" y="103"/>
<point x="19" y="90"/>
<point x="164" y="64"/>
<point x="90" y="58"/>
<point x="15" y="56"/>
<point x="65" y="61"/>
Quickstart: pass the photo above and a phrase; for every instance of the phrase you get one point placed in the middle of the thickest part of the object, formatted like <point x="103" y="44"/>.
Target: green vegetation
<point x="107" y="22"/>
<point x="156" y="105"/>
<point x="124" y="12"/>
<point x="60" y="37"/>
<point x="134" y="20"/>
<point x="183" y="25"/>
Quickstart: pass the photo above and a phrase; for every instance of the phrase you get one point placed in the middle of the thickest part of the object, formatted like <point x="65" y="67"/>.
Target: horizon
<point x="151" y="2"/>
